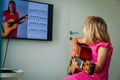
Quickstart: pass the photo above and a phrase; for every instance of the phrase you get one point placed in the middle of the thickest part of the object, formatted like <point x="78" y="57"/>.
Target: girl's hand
<point x="73" y="53"/>
<point x="75" y="64"/>
<point x="6" y="24"/>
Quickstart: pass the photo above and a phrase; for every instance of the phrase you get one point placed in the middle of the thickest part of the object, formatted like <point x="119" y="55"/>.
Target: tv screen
<point x="24" y="19"/>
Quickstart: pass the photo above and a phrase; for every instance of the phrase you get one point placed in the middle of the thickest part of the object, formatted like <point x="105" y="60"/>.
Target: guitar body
<point x="8" y="29"/>
<point x="84" y="54"/>
<point x="10" y="25"/>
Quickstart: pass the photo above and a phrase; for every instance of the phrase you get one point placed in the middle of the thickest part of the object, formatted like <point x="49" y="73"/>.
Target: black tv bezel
<point x="50" y="24"/>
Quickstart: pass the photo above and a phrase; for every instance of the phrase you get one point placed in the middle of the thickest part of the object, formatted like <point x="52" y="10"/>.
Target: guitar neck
<point x="16" y="21"/>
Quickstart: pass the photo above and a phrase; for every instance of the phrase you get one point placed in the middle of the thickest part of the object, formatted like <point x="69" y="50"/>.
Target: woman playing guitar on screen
<point x="12" y="20"/>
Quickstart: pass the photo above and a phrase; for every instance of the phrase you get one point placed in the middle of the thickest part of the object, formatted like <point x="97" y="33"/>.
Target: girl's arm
<point x="102" y="56"/>
<point x="75" y="47"/>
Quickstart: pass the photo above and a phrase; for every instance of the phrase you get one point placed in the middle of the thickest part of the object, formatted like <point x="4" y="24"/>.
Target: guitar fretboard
<point x="16" y="21"/>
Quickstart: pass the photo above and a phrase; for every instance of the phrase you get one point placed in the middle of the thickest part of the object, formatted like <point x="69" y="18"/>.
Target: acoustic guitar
<point x="12" y="25"/>
<point x="83" y="61"/>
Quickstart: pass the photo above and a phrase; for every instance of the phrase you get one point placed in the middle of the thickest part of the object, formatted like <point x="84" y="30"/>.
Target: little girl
<point x="98" y="40"/>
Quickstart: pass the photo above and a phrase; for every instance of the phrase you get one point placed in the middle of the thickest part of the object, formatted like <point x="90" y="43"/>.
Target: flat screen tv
<point x="23" y="19"/>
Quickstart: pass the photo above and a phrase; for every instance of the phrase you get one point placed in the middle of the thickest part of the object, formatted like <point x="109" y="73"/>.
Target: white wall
<point x="114" y="27"/>
<point x="45" y="60"/>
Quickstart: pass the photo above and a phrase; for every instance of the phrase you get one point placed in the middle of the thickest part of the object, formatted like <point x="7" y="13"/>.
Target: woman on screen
<point x="12" y="20"/>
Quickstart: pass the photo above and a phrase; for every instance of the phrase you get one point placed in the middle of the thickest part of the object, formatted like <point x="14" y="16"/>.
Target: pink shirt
<point x="96" y="76"/>
<point x="104" y="74"/>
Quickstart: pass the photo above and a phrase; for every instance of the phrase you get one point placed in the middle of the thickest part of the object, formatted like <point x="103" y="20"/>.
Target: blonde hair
<point x="96" y="30"/>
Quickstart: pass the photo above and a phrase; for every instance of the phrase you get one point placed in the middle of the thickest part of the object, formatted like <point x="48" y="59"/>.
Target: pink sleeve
<point x="104" y="44"/>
